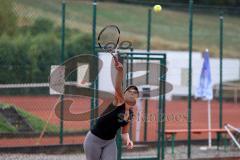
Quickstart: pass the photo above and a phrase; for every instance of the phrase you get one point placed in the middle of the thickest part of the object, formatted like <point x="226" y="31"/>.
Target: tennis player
<point x="100" y="142"/>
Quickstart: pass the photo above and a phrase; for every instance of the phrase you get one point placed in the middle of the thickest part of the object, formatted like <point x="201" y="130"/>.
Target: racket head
<point x="108" y="37"/>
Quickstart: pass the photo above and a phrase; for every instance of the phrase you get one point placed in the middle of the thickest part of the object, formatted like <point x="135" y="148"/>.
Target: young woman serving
<point x="100" y="143"/>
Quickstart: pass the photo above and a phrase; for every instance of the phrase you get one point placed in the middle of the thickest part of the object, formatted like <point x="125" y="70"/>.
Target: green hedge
<point x="27" y="56"/>
<point x="27" y="52"/>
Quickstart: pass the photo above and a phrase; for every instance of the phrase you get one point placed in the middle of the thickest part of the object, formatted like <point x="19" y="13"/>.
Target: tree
<point x="15" y="64"/>
<point x="44" y="52"/>
<point x="8" y="19"/>
<point x="42" y="25"/>
<point x="79" y="44"/>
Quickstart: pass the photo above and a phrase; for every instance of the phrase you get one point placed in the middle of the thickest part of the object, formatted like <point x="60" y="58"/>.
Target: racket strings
<point x="109" y="37"/>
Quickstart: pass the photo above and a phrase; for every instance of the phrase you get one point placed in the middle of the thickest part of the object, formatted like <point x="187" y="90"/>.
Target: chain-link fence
<point x="30" y="44"/>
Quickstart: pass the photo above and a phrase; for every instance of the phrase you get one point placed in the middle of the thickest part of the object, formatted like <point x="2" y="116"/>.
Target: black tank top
<point x="110" y="121"/>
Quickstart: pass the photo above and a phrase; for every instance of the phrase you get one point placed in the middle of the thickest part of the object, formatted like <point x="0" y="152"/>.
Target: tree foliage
<point x="42" y="25"/>
<point x="28" y="55"/>
<point x="8" y="19"/>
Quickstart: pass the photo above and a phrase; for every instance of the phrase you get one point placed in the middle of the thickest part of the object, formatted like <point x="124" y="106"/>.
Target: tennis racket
<point x="108" y="39"/>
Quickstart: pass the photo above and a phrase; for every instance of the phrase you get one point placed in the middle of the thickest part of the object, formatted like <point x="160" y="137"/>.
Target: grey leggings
<point x="96" y="148"/>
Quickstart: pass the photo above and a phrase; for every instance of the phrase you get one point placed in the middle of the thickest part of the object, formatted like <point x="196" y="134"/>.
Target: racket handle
<point x="115" y="59"/>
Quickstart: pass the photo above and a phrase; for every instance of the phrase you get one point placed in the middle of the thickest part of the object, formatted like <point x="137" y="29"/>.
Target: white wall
<point x="177" y="61"/>
<point x="104" y="80"/>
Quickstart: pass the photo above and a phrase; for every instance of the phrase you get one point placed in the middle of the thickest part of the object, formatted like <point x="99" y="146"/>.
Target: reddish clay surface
<point x="176" y="117"/>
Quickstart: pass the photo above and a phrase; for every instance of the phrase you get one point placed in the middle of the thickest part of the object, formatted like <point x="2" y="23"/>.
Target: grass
<point x="169" y="27"/>
<point x="5" y="127"/>
<point x="36" y="123"/>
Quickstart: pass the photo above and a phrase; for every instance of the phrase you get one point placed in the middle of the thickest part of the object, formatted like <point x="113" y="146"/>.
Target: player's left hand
<point x="129" y="144"/>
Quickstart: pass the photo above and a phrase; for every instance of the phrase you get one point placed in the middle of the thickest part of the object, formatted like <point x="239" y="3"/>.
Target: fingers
<point x="130" y="145"/>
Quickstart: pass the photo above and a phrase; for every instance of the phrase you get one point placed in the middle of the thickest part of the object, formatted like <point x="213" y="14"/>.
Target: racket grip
<point x="115" y="59"/>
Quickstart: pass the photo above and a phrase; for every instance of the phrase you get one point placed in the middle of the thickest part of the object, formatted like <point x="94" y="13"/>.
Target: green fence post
<point x="173" y="145"/>
<point x="146" y="102"/>
<point x="190" y="78"/>
<point x="160" y="121"/>
<point x="149" y="29"/>
<point x="147" y="69"/>
<point x="94" y="99"/>
<point x="225" y="143"/>
<point x="131" y="82"/>
<point x="220" y="67"/>
<point x="163" y="91"/>
<point x="119" y="145"/>
<point x="62" y="61"/>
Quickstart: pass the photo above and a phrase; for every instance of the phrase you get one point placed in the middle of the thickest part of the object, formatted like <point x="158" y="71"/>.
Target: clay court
<point x="176" y="118"/>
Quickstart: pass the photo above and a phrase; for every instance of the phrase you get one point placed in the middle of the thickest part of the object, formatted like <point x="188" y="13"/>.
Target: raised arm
<point x="118" y="97"/>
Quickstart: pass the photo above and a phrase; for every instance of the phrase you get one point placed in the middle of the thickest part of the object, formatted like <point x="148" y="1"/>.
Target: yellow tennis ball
<point x="157" y="8"/>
